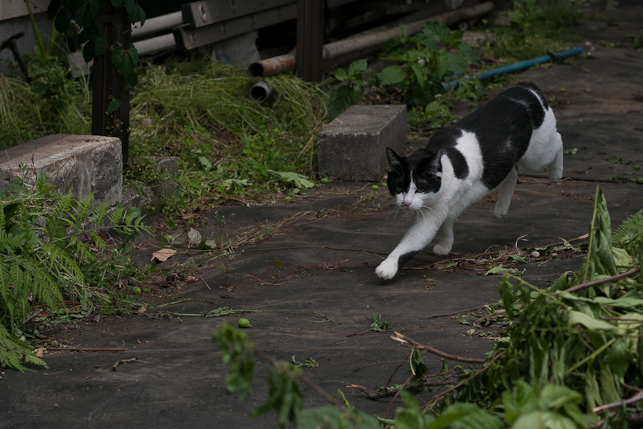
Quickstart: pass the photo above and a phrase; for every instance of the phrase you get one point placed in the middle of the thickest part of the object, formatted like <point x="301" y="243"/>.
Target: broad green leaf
<point x="357" y="67"/>
<point x="298" y="180"/>
<point x="113" y="105"/>
<point x="619" y="356"/>
<point x="470" y="53"/>
<point x="340" y="74"/>
<point x="340" y="100"/>
<point x="594" y="325"/>
<point x="457" y="63"/>
<point x="622" y="259"/>
<point x="467" y="416"/>
<point x="63" y="22"/>
<point x="392" y="75"/>
<point x="86" y="12"/>
<point x="543" y="420"/>
<point x="441" y="64"/>
<point x="554" y="397"/>
<point x="124" y="60"/>
<point x="418" y="71"/>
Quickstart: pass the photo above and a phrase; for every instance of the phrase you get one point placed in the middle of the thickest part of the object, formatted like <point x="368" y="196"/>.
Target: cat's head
<point x="416" y="179"/>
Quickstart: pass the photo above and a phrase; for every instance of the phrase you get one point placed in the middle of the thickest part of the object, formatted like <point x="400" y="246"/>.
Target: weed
<point x="50" y="245"/>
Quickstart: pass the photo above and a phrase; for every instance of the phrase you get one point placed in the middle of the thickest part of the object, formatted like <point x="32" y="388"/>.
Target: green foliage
<point x="379" y="324"/>
<point x="586" y="338"/>
<point x="43" y="247"/>
<point x="77" y="18"/>
<point x="535" y="31"/>
<point x="426" y="61"/>
<point x="226" y="144"/>
<point x="422" y="63"/>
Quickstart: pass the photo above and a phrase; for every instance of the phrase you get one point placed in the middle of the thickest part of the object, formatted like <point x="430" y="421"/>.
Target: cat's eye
<point x="398" y="189"/>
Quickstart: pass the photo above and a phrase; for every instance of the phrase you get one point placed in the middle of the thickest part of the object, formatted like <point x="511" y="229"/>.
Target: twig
<point x="404" y="339"/>
<point x="34" y="314"/>
<point x="455" y="312"/>
<point x="616" y="404"/>
<point x="385" y="394"/>
<point x="88" y="349"/>
<point x="602" y="281"/>
<point x="134" y="359"/>
<point x="462" y="383"/>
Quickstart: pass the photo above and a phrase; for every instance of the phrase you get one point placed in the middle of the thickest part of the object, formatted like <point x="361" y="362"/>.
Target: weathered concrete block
<point x="353" y="146"/>
<point x="82" y="164"/>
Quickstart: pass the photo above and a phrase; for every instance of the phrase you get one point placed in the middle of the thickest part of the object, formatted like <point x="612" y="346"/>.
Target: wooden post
<point x="310" y="39"/>
<point x="108" y="84"/>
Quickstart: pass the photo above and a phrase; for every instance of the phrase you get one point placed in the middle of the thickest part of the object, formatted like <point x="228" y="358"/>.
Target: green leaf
<point x="298" y="180"/>
<point x="357" y="68"/>
<point x="340" y="74"/>
<point x="340" y="100"/>
<point x="594" y="325"/>
<point x="63" y="22"/>
<point x="457" y="63"/>
<point x="86" y="12"/>
<point x="113" y="105"/>
<point x="392" y="75"/>
<point x="124" y="60"/>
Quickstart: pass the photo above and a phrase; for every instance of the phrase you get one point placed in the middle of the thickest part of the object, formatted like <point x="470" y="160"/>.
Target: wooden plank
<point x="203" y="13"/>
<point x="189" y="38"/>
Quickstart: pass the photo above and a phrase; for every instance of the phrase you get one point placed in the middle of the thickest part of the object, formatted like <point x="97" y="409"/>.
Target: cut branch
<point x="462" y="383"/>
<point x="87" y="349"/>
<point x="404" y="339"/>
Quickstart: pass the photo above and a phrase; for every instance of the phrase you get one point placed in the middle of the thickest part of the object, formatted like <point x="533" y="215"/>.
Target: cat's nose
<point x="407" y="203"/>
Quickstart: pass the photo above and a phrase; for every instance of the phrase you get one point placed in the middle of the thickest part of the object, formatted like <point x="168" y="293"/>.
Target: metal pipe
<point x="517" y="66"/>
<point x="261" y="91"/>
<point x="272" y="66"/>
<point x="276" y="65"/>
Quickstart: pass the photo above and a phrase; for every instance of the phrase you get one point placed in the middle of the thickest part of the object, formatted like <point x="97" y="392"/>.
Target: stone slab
<point x="353" y="146"/>
<point x="82" y="164"/>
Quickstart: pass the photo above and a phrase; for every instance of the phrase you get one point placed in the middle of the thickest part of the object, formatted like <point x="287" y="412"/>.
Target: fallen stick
<point x="87" y="349"/>
<point x="134" y="359"/>
<point x="462" y="383"/>
<point x="633" y="399"/>
<point x="404" y="339"/>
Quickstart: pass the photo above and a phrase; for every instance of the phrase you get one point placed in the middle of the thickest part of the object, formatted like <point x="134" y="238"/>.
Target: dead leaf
<point x="163" y="254"/>
<point x="39" y="353"/>
<point x="143" y="309"/>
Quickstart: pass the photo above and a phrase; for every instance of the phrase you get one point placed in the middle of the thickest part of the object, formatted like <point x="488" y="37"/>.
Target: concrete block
<point x="82" y="164"/>
<point x="353" y="146"/>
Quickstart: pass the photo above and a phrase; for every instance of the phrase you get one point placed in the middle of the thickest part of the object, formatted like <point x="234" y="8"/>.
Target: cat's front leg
<point x="413" y="242"/>
<point x="445" y="238"/>
<point x="388" y="268"/>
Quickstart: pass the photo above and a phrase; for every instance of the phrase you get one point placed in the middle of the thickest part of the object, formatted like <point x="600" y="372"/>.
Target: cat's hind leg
<point x="505" y="193"/>
<point x="555" y="169"/>
<point x="445" y="237"/>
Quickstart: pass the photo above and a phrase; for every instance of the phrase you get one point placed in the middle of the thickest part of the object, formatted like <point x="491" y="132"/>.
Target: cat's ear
<point x="393" y="158"/>
<point x="434" y="164"/>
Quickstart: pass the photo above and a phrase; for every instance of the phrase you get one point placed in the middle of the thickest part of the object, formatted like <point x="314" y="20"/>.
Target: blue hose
<point x="517" y="66"/>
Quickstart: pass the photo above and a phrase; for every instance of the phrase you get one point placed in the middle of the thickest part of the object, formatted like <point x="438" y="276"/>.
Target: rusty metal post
<point x="310" y="39"/>
<point x="107" y="82"/>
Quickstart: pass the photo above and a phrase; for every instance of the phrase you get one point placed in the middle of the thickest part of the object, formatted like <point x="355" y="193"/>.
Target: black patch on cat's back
<point x="446" y="139"/>
<point x="503" y="128"/>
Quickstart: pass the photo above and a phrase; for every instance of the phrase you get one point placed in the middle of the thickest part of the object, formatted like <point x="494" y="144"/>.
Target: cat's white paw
<point x="387" y="269"/>
<point x="499" y="214"/>
<point x="441" y="250"/>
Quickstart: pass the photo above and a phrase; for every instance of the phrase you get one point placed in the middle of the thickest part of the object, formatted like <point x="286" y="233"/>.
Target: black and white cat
<point x="463" y="163"/>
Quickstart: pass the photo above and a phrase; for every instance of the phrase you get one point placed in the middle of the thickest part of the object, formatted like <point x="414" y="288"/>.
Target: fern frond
<point x="13" y="350"/>
<point x="626" y="233"/>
